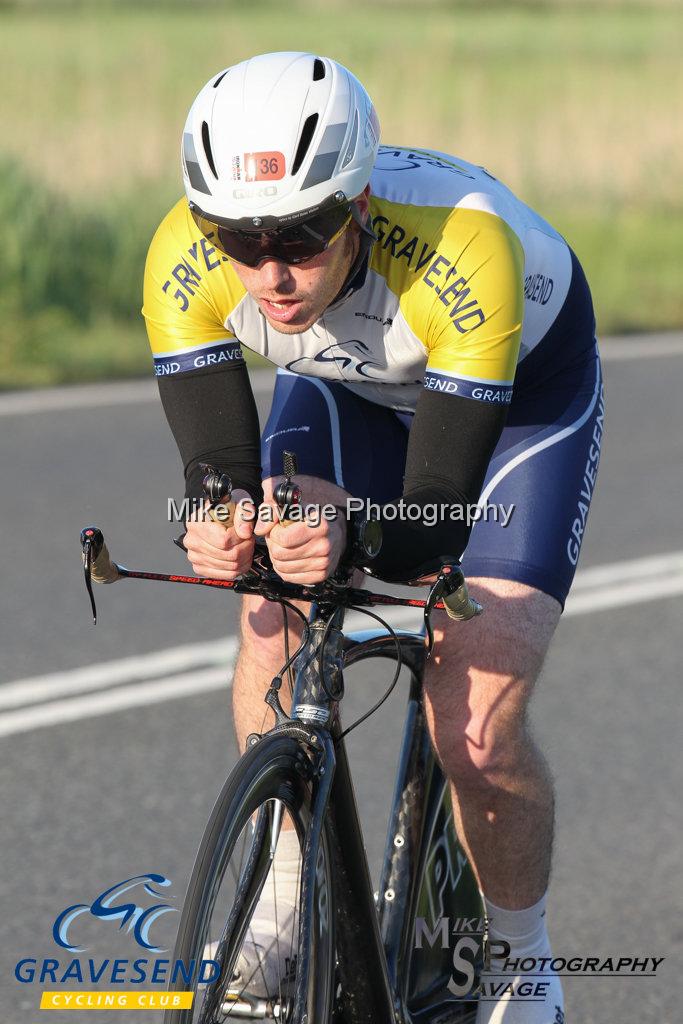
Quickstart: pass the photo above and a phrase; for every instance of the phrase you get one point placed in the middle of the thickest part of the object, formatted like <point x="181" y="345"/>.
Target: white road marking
<point x="119" y="699"/>
<point x="123" y="670"/>
<point x="648" y="346"/>
<point x="78" y="396"/>
<point x="94" y="396"/>
<point x="662" y="566"/>
<point x="137" y="681"/>
<point x="623" y="594"/>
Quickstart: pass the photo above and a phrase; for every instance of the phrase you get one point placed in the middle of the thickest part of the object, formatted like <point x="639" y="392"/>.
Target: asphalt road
<point x="87" y="803"/>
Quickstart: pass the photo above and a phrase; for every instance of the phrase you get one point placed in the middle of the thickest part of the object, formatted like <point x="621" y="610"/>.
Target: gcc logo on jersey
<point x="351" y="357"/>
<point x="106" y="908"/>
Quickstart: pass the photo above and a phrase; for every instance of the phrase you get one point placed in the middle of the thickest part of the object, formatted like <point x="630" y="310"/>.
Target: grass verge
<point x="577" y="107"/>
<point x="72" y="277"/>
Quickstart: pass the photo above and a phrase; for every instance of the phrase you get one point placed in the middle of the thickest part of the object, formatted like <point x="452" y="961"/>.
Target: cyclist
<point x="435" y="345"/>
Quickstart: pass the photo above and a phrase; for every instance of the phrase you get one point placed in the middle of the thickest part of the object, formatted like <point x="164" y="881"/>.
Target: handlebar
<point x="449" y="591"/>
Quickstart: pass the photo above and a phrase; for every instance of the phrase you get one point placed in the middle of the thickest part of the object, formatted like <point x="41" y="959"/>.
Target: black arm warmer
<point x="450" y="446"/>
<point x="213" y="417"/>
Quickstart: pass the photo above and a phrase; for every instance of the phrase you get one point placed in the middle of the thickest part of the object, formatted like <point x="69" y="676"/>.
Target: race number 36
<point x="264" y="166"/>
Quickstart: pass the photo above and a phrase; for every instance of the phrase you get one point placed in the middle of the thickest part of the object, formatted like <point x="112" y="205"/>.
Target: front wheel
<point x="230" y="885"/>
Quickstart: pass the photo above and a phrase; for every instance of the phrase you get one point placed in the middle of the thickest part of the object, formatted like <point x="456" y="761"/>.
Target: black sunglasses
<point x="293" y="244"/>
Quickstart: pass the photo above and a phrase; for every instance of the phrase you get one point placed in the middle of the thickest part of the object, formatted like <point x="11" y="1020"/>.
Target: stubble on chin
<point x="335" y="282"/>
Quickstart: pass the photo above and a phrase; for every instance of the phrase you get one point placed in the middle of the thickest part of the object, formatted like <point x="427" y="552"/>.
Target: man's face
<point x="292" y="298"/>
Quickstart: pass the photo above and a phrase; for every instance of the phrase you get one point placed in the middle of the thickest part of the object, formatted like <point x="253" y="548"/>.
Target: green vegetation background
<point x="575" y="105"/>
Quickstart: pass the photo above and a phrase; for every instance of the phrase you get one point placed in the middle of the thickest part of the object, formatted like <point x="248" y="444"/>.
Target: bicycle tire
<point x="273" y="769"/>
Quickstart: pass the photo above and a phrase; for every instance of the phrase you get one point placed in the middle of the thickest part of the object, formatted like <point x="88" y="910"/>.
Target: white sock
<point x="280" y="892"/>
<point x="264" y="962"/>
<point x="526" y="932"/>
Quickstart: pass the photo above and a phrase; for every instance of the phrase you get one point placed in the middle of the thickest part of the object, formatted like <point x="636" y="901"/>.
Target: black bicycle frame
<point x="397" y="960"/>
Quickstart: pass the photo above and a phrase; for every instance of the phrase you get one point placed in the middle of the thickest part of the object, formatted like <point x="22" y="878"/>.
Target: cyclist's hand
<point x="302" y="552"/>
<point x="218" y="552"/>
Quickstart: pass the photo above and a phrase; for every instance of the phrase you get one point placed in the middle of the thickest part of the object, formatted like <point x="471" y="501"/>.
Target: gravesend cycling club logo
<point x="134" y="907"/>
<point x="138" y="919"/>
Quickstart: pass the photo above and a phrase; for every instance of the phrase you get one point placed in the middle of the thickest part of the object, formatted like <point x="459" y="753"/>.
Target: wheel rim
<point x="241" y="861"/>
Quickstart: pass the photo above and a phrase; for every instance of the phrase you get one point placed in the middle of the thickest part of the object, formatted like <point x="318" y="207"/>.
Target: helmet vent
<point x="220" y="78"/>
<point x="305" y="141"/>
<point x="207" y="148"/>
<point x="318" y="69"/>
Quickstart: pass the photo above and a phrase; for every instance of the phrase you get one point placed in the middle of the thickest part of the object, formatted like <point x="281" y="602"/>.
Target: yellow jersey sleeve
<point x="189" y="292"/>
<point x="460" y="282"/>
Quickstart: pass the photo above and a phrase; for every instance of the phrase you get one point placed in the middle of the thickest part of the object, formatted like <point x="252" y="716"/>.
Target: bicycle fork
<point x="366" y="996"/>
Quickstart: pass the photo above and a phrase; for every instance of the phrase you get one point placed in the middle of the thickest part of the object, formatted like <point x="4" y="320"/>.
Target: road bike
<point x="410" y="953"/>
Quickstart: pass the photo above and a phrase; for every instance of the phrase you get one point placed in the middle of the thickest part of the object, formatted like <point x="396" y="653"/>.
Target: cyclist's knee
<point x="482" y="753"/>
<point x="510" y="638"/>
<point x="481" y="739"/>
<point x="479" y="681"/>
<point x="262" y="624"/>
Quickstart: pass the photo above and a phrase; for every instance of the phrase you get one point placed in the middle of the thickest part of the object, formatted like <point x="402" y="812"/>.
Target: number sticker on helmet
<point x="264" y="166"/>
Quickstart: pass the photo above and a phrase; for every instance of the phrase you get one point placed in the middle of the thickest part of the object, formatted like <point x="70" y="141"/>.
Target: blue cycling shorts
<point x="544" y="465"/>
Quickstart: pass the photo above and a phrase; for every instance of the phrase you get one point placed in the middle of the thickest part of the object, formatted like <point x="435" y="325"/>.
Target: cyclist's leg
<point x="542" y="473"/>
<point x="481" y="677"/>
<point x="477" y="689"/>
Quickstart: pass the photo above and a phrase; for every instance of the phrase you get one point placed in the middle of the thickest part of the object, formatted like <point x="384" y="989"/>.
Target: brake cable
<point x="441" y="587"/>
<point x="390" y="688"/>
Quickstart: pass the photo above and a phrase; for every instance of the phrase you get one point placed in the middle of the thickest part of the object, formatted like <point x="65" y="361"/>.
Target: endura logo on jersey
<point x="380" y="320"/>
<point x="344" y="356"/>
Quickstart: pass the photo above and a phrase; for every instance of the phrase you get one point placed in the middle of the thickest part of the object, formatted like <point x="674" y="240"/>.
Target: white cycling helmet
<point x="270" y="142"/>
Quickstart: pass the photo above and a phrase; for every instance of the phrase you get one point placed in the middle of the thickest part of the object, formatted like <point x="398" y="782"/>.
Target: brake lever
<point x="89" y="540"/>
<point x="287" y="494"/>
<point x="449" y="587"/>
<point x="435" y="594"/>
<point x="217" y="487"/>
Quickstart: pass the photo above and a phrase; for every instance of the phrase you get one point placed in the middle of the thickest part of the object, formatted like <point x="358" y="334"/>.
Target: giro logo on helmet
<point x="260" y="190"/>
